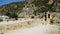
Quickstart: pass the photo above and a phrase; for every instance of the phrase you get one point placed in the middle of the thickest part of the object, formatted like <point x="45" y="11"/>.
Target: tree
<point x="7" y="13"/>
<point x="32" y="17"/>
<point x="12" y="15"/>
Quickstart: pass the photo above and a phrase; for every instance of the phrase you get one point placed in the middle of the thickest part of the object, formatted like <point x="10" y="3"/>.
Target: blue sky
<point x="3" y="2"/>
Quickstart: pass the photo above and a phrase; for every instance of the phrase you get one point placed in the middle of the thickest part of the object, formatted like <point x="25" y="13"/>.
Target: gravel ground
<point x="38" y="29"/>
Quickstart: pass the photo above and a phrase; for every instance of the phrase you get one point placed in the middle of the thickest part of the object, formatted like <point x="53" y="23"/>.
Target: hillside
<point x="12" y="7"/>
<point x="16" y="7"/>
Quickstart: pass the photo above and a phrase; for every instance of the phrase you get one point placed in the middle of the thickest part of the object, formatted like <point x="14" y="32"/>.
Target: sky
<point x="3" y="2"/>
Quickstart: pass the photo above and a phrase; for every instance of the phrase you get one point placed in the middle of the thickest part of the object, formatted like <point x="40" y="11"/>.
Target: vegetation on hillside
<point x="15" y="7"/>
<point x="43" y="6"/>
